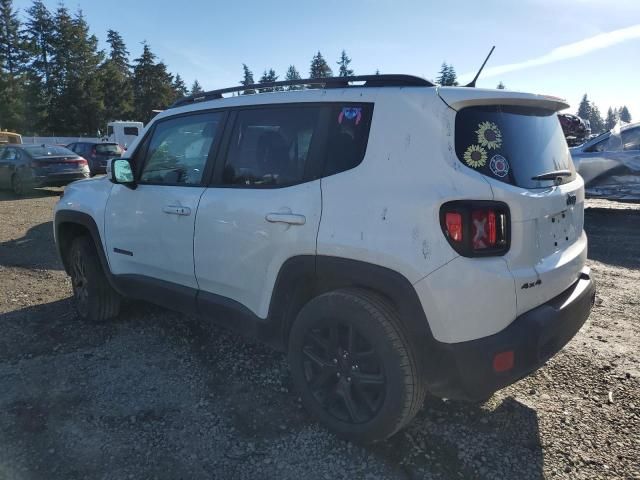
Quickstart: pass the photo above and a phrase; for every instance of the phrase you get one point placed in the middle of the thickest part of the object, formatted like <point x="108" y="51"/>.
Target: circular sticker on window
<point x="475" y="156"/>
<point x="499" y="166"/>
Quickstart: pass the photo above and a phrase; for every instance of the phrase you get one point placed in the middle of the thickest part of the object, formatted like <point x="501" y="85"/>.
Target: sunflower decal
<point x="489" y="135"/>
<point x="475" y="156"/>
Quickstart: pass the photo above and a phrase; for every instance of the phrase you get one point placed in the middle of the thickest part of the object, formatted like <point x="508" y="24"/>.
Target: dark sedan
<point x="97" y="154"/>
<point x="23" y="167"/>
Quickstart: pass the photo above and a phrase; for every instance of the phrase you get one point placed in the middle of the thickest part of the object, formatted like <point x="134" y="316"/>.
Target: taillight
<point x="82" y="161"/>
<point x="476" y="228"/>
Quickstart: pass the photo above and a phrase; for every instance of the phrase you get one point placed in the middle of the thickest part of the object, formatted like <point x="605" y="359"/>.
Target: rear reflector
<point x="454" y="226"/>
<point x="503" y="361"/>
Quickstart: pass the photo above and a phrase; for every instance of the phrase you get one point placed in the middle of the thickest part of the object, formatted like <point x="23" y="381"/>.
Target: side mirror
<point x="121" y="172"/>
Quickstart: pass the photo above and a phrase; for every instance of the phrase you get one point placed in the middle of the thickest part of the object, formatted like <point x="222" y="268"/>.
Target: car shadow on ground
<point x="36" y="249"/>
<point x="614" y="236"/>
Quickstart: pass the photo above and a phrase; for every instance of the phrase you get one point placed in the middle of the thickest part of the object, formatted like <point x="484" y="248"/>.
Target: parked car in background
<point x="7" y="137"/>
<point x="575" y="129"/>
<point x="97" y="154"/>
<point x="610" y="163"/>
<point x="23" y="167"/>
<point x="123" y="132"/>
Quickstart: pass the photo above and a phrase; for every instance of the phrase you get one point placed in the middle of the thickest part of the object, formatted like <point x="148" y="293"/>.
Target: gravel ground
<point x="160" y="395"/>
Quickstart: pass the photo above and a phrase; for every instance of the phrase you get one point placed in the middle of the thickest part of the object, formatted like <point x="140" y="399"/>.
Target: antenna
<point x="472" y="84"/>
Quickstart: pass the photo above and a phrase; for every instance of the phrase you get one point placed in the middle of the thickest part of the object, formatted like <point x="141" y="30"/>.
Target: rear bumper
<point x="534" y="337"/>
<point x="57" y="180"/>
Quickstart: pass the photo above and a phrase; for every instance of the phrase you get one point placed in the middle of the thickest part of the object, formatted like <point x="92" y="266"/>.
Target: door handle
<point x="290" y="218"/>
<point x="176" y="210"/>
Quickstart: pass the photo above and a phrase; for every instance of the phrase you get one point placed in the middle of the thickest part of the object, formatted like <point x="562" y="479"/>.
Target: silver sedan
<point x="610" y="163"/>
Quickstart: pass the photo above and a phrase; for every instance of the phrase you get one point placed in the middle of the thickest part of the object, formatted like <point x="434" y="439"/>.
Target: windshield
<point x="108" y="148"/>
<point x="49" y="151"/>
<point x="513" y="144"/>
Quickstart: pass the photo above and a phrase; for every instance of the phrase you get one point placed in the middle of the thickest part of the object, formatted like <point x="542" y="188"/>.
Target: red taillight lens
<point x="476" y="228"/>
<point x="484" y="229"/>
<point x="453" y="221"/>
<point x="82" y="161"/>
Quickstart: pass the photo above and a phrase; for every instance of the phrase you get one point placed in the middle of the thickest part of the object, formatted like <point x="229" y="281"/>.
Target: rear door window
<point x="512" y="144"/>
<point x="348" y="136"/>
<point x="108" y="149"/>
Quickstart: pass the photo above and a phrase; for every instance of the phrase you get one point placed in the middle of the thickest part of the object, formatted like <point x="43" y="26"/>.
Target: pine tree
<point x="595" y="120"/>
<point x="447" y="76"/>
<point x="116" y="81"/>
<point x="179" y="87"/>
<point x="584" y="108"/>
<point x="344" y="62"/>
<point x="293" y="74"/>
<point x="377" y="71"/>
<point x="152" y="85"/>
<point x="453" y="78"/>
<point x="500" y="86"/>
<point x="196" y="88"/>
<point x="625" y="116"/>
<point x="39" y="33"/>
<point x="247" y="80"/>
<point x="77" y="107"/>
<point x="268" y="77"/>
<point x="12" y="69"/>
<point x="611" y="119"/>
<point x="319" y="67"/>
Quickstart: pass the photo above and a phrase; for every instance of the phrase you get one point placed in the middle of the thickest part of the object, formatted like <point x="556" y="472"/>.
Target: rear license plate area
<point x="558" y="231"/>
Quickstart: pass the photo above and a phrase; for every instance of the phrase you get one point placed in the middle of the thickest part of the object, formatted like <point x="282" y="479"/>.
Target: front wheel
<point x="18" y="184"/>
<point x="95" y="300"/>
<point x="353" y="365"/>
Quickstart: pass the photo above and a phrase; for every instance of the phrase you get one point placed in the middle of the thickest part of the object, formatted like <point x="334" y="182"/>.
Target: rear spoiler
<point x="458" y="98"/>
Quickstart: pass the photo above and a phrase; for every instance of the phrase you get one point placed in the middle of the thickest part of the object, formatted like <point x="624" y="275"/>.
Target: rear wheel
<point x="95" y="300"/>
<point x="354" y="368"/>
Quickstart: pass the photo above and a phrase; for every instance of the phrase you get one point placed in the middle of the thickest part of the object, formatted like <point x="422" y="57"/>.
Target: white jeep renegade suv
<point x="395" y="238"/>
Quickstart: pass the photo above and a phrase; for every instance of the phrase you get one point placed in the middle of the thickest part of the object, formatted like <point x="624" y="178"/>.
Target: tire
<point x="94" y="298"/>
<point x="353" y="365"/>
<point x="17" y="184"/>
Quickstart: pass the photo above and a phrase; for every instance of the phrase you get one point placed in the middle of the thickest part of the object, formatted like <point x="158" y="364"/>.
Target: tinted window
<point x="8" y="154"/>
<point x="348" y="136"/>
<point x="179" y="149"/>
<point x="110" y="130"/>
<point x="270" y="146"/>
<point x="48" y="151"/>
<point x="131" y="131"/>
<point x="512" y="144"/>
<point x="108" y="149"/>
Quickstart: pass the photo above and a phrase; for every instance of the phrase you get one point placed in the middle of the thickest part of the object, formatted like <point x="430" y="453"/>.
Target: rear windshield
<point x="49" y="151"/>
<point x="512" y="144"/>
<point x="108" y="148"/>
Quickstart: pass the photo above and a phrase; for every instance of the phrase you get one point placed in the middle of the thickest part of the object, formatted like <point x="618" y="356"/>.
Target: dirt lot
<point x="161" y="395"/>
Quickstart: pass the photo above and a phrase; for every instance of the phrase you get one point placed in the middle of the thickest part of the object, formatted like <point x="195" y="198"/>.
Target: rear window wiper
<point x="552" y="175"/>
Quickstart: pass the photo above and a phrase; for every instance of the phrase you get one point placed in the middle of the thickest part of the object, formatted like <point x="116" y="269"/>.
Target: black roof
<point x="331" y="82"/>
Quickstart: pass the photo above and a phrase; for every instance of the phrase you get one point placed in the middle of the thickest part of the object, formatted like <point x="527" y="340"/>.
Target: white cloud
<point x="571" y="50"/>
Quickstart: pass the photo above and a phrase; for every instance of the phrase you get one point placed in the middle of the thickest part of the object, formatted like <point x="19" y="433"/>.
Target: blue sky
<point x="558" y="47"/>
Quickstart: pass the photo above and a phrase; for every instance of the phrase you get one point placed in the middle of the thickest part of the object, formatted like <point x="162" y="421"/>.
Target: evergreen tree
<point x="247" y="80"/>
<point x="12" y="69"/>
<point x="179" y="87"/>
<point x="196" y="88"/>
<point x="293" y="74"/>
<point x="500" y="86"/>
<point x="344" y="62"/>
<point x="584" y="108"/>
<point x="268" y="77"/>
<point x="625" y="116"/>
<point x="152" y="85"/>
<point x="116" y="81"/>
<point x="611" y="119"/>
<point x="40" y="88"/>
<point x="77" y="107"/>
<point x="595" y="120"/>
<point x="377" y="71"/>
<point x="447" y="76"/>
<point x="319" y="67"/>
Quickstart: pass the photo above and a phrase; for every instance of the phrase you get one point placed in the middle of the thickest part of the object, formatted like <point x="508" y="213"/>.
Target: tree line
<point x="588" y="110"/>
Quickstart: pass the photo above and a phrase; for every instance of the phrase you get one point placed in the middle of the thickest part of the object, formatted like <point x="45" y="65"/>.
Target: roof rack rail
<point x="390" y="80"/>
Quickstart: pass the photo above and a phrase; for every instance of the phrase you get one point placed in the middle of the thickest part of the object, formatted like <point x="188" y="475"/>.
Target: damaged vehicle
<point x="575" y="129"/>
<point x="610" y="163"/>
